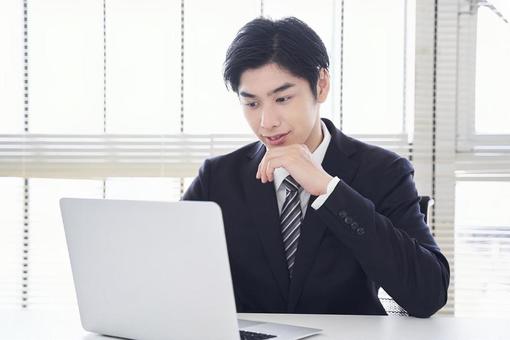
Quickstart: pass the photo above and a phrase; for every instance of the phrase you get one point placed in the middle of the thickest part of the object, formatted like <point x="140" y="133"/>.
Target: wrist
<point x="324" y="185"/>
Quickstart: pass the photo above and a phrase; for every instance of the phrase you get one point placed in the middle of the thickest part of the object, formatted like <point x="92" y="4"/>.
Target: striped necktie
<point x="290" y="219"/>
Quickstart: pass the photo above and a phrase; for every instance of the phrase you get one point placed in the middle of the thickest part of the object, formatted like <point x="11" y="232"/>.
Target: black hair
<point x="288" y="42"/>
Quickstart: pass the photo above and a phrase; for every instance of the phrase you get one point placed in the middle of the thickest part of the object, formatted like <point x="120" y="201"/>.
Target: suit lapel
<point x="263" y="207"/>
<point x="337" y="163"/>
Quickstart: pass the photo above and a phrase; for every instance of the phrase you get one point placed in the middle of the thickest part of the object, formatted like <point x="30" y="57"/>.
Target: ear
<point x="323" y="85"/>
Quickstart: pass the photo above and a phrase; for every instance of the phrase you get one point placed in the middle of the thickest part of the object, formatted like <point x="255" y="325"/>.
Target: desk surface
<point x="65" y="325"/>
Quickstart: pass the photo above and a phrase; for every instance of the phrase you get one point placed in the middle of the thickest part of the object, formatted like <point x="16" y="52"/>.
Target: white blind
<point x="467" y="175"/>
<point x="482" y="228"/>
<point x="444" y="140"/>
<point x="482" y="248"/>
<point x="11" y="67"/>
<point x="142" y="66"/>
<point x="11" y="238"/>
<point x="381" y="78"/>
<point x="65" y="73"/>
<point x="434" y="135"/>
<point x="493" y="68"/>
<point x="105" y="155"/>
<point x="124" y="99"/>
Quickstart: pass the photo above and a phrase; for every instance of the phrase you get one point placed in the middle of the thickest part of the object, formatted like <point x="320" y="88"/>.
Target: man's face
<point x="280" y="107"/>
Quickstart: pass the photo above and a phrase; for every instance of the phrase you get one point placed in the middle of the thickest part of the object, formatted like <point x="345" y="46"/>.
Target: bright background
<point x="125" y="98"/>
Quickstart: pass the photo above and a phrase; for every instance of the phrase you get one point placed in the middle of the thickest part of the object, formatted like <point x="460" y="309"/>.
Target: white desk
<point x="38" y="325"/>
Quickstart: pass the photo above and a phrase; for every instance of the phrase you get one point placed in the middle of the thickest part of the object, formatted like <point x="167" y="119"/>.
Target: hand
<point x="297" y="160"/>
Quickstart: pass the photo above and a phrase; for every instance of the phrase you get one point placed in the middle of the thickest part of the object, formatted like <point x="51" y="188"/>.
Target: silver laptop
<point x="156" y="270"/>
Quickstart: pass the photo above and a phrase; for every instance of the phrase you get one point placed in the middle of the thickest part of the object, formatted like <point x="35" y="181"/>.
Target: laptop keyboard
<point x="255" y="336"/>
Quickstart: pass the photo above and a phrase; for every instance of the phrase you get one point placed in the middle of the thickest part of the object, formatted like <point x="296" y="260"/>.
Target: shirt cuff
<point x="319" y="201"/>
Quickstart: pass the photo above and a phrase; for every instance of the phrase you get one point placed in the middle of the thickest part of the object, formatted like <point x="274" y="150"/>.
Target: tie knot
<point x="291" y="184"/>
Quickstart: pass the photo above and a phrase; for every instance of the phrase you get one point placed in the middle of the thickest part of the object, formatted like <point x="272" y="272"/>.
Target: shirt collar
<point x="318" y="156"/>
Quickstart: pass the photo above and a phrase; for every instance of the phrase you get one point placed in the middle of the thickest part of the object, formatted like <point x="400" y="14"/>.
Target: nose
<point x="269" y="119"/>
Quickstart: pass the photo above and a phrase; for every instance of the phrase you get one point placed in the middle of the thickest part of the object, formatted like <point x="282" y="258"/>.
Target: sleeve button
<point x="360" y="231"/>
<point x="348" y="220"/>
<point x="342" y="214"/>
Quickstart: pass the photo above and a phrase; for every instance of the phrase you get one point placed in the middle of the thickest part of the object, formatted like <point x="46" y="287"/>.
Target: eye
<point x="283" y="99"/>
<point x="251" y="105"/>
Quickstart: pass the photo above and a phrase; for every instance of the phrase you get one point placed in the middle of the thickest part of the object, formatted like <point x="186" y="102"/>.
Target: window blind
<point x="109" y="155"/>
<point x="434" y="134"/>
<point x="116" y="99"/>
<point x="459" y="171"/>
<point x="482" y="240"/>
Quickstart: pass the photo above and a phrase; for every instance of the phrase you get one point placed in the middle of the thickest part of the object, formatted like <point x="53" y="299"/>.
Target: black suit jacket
<point x="369" y="233"/>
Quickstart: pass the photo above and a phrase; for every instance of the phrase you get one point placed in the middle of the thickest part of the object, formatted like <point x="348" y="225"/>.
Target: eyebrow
<point x="278" y="89"/>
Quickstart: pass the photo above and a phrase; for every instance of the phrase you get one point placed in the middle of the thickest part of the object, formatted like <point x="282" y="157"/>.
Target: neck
<point x="316" y="137"/>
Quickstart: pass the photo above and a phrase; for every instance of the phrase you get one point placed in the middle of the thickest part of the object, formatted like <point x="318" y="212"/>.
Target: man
<point x="315" y="221"/>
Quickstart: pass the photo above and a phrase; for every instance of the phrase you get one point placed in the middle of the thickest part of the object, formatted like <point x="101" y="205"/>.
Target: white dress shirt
<point x="318" y="156"/>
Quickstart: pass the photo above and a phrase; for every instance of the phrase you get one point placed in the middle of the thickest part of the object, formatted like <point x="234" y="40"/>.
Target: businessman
<point x="315" y="221"/>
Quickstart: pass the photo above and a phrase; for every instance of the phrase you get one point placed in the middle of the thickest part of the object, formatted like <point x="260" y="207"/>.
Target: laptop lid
<point x="151" y="270"/>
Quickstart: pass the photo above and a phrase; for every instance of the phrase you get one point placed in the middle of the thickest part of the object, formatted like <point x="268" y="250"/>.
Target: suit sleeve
<point x="199" y="189"/>
<point x="391" y="242"/>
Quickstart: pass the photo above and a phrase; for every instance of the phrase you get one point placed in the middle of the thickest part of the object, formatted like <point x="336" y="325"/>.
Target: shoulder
<point x="381" y="172"/>
<point x="368" y="157"/>
<point x="376" y="159"/>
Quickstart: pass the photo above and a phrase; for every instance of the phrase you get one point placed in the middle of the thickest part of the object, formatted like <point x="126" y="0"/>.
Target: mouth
<point x="276" y="139"/>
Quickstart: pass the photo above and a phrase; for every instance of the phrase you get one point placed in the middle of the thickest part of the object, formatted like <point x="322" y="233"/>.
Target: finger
<point x="264" y="171"/>
<point x="269" y="171"/>
<point x="262" y="165"/>
<point x="279" y="152"/>
<point x="272" y="165"/>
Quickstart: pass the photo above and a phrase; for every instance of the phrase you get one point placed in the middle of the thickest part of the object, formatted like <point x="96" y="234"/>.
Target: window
<point x="482" y="249"/>
<point x="482" y="162"/>
<point x="11" y="238"/>
<point x="492" y="113"/>
<point x="143" y="66"/>
<point x="126" y="98"/>
<point x="374" y="66"/>
<point x="11" y="67"/>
